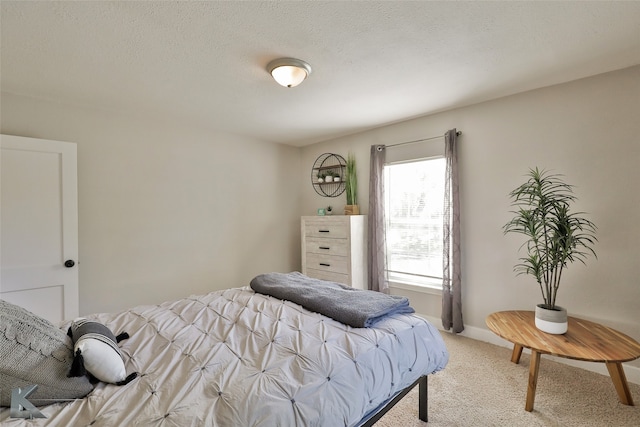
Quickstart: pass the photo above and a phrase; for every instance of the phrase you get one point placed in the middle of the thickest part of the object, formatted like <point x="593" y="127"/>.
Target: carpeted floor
<point x="480" y="387"/>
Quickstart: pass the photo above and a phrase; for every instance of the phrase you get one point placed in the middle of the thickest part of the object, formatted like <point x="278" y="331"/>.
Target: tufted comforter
<point x="237" y="358"/>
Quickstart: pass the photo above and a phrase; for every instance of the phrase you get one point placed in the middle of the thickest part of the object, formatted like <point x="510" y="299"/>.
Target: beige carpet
<point x="481" y="387"/>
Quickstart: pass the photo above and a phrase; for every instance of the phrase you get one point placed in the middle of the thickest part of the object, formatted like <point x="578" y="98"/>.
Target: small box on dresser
<point x="334" y="248"/>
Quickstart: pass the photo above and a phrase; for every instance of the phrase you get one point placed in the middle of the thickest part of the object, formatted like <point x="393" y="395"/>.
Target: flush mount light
<point x="289" y="72"/>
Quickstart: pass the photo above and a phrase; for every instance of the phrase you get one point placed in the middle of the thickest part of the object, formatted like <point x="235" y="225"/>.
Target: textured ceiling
<point x="374" y="63"/>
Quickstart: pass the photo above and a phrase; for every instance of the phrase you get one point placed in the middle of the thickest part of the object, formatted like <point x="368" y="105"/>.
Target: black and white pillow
<point x="96" y="352"/>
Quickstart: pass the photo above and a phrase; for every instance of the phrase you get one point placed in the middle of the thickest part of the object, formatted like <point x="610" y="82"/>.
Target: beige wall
<point x="586" y="129"/>
<point x="166" y="210"/>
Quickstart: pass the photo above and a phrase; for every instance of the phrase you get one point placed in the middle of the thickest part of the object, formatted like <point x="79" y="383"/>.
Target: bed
<point x="240" y="358"/>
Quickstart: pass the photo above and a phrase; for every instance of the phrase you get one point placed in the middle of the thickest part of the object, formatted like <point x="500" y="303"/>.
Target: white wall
<point x="587" y="130"/>
<point x="166" y="210"/>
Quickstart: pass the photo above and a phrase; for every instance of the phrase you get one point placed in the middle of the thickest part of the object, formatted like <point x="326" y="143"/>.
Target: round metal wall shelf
<point x="325" y="165"/>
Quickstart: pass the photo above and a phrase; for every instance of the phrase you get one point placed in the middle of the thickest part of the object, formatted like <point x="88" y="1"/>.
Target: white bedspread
<point x="237" y="358"/>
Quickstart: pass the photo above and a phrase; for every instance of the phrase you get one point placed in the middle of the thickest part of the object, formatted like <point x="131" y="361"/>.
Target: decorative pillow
<point x="97" y="353"/>
<point x="34" y="351"/>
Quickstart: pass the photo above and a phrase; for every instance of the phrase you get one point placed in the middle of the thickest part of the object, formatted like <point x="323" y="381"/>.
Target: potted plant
<point x="351" y="187"/>
<point x="336" y="177"/>
<point x="555" y="237"/>
<point x="328" y="176"/>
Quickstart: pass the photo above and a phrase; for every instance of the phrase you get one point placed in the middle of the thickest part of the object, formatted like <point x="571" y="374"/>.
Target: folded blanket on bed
<point x="354" y="307"/>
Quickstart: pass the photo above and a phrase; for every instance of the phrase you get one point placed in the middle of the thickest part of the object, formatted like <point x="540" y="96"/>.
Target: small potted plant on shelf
<point x="336" y="177"/>
<point x="320" y="176"/>
<point x="555" y="238"/>
<point x="351" y="184"/>
<point x="328" y="176"/>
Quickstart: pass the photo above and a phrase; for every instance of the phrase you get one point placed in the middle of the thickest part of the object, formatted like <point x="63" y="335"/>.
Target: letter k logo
<point x="20" y="406"/>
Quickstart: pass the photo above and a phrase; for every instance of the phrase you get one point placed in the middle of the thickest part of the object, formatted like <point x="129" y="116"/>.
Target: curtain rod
<point x="458" y="133"/>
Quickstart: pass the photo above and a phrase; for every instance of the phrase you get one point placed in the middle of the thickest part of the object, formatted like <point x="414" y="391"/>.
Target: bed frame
<point x="423" y="407"/>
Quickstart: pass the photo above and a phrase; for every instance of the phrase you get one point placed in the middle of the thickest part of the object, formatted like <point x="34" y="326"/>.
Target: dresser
<point x="334" y="248"/>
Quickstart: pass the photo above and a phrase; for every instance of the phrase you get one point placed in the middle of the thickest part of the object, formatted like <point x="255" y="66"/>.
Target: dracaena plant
<point x="555" y="235"/>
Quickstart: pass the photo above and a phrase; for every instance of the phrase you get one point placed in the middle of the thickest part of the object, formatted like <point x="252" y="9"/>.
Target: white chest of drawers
<point x="334" y="248"/>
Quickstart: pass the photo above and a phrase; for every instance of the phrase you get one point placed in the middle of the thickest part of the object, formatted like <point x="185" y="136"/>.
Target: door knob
<point x="69" y="263"/>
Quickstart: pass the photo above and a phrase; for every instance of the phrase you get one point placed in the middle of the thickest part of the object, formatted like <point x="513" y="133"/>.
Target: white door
<point x="39" y="226"/>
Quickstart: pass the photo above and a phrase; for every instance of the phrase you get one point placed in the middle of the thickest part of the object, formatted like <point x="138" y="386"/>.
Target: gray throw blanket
<point x="354" y="307"/>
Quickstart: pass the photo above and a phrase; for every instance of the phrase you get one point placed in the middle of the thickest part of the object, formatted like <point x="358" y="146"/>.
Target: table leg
<point x="534" y="366"/>
<point x="517" y="352"/>
<point x="620" y="382"/>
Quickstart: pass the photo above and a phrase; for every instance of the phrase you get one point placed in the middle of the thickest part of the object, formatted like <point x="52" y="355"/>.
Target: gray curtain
<point x="376" y="248"/>
<point x="451" y="283"/>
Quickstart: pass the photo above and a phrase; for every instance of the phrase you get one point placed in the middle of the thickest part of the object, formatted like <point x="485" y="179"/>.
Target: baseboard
<point x="631" y="372"/>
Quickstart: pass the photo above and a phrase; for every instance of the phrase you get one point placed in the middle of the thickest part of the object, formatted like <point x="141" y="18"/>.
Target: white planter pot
<point x="552" y="321"/>
<point x="336" y="179"/>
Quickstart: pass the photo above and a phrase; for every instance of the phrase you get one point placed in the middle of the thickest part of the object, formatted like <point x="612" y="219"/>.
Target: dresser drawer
<point x="328" y="275"/>
<point x="333" y="263"/>
<point x="334" y="230"/>
<point x="317" y="245"/>
<point x="334" y="248"/>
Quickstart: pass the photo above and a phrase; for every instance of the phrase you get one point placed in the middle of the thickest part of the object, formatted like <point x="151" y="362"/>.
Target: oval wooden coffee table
<point x="584" y="340"/>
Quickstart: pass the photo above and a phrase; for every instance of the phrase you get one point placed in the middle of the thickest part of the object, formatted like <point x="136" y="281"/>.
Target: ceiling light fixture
<point x="289" y="72"/>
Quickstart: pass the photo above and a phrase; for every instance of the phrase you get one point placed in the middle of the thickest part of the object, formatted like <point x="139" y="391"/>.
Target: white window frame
<point x="431" y="285"/>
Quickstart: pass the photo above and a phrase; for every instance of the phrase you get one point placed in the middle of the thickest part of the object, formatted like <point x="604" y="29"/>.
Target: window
<point x="414" y="194"/>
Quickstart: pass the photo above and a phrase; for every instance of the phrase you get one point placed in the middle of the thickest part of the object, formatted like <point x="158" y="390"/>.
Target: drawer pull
<point x="325" y="265"/>
<point x="324" y="247"/>
<point x="323" y="231"/>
